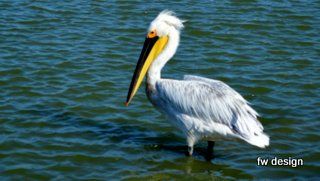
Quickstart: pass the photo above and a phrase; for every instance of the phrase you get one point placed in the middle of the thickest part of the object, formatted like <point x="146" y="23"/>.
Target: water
<point x="65" y="68"/>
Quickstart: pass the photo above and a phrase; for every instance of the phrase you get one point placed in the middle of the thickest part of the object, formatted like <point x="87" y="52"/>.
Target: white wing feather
<point x="212" y="101"/>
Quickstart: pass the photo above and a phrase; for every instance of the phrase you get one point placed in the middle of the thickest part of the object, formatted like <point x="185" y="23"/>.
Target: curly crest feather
<point x="170" y="19"/>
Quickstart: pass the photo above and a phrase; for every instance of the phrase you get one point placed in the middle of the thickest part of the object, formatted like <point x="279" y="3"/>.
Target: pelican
<point x="202" y="108"/>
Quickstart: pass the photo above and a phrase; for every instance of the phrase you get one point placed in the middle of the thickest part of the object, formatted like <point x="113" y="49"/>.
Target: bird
<point x="202" y="109"/>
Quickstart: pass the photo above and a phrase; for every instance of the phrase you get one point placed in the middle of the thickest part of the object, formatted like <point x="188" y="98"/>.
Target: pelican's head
<point x="158" y="36"/>
<point x="165" y="23"/>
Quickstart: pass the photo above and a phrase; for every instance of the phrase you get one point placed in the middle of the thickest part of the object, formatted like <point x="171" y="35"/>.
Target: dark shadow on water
<point x="176" y="144"/>
<point x="182" y="150"/>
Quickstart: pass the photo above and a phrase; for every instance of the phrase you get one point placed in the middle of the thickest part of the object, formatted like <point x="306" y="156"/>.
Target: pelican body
<point x="202" y="108"/>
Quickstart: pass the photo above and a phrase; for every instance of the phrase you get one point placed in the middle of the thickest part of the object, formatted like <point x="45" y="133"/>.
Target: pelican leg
<point x="190" y="141"/>
<point x="190" y="151"/>
<point x="210" y="152"/>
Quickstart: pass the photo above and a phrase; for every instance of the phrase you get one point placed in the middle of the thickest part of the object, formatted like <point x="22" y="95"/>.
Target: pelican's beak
<point x="153" y="46"/>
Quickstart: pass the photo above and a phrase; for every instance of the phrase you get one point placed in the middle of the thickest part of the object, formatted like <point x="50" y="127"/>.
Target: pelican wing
<point x="210" y="101"/>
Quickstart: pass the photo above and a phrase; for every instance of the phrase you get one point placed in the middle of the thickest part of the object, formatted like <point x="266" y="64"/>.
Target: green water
<point x="65" y="68"/>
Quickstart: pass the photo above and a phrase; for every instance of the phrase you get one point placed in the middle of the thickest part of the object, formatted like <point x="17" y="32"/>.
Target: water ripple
<point x="65" y="68"/>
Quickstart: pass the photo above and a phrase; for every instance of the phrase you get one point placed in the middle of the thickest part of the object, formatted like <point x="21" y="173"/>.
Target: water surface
<point x="65" y="68"/>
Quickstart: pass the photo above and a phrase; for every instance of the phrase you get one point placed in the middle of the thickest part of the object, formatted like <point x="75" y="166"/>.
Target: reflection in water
<point x="65" y="68"/>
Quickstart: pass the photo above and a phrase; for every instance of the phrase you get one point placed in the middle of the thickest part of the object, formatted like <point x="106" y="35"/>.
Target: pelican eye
<point x="152" y="34"/>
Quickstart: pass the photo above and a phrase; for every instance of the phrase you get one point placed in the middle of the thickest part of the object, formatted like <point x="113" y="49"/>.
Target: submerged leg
<point x="190" y="151"/>
<point x="190" y="141"/>
<point x="210" y="153"/>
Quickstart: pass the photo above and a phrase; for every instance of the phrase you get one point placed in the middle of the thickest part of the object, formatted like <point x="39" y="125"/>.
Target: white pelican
<point x="203" y="109"/>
